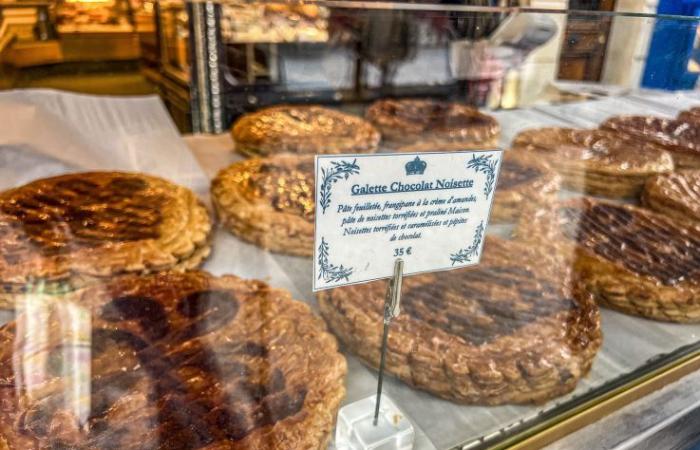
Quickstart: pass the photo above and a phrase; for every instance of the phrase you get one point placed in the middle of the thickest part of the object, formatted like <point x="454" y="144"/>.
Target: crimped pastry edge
<point x="431" y="376"/>
<point x="318" y="430"/>
<point x="612" y="284"/>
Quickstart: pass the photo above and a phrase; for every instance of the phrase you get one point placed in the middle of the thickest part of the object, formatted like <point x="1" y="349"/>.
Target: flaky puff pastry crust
<point x="303" y="130"/>
<point x="59" y="233"/>
<point x="676" y="195"/>
<point x="681" y="138"/>
<point x="511" y="330"/>
<point x="432" y="125"/>
<point x="630" y="258"/>
<point x="524" y="181"/>
<point x="690" y="115"/>
<point x="269" y="202"/>
<point x="170" y="360"/>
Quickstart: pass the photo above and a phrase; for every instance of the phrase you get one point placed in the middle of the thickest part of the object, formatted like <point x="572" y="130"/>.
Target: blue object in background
<point x="671" y="47"/>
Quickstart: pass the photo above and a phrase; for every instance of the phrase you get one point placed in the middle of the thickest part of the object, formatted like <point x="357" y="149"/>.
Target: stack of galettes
<point x="101" y="269"/>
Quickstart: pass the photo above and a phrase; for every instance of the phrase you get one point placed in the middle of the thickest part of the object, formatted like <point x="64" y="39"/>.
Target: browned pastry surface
<point x="98" y="224"/>
<point x="511" y="330"/>
<point x="690" y="115"/>
<point x="630" y="258"/>
<point x="425" y="125"/>
<point x="524" y="181"/>
<point x="595" y="161"/>
<point x="303" y="129"/>
<point x="679" y="137"/>
<point x="269" y="202"/>
<point x="170" y="361"/>
<point x="677" y="194"/>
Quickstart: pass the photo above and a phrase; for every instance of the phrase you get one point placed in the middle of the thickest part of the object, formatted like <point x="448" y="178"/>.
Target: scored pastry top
<point x="643" y="242"/>
<point x="97" y="223"/>
<point x="513" y="286"/>
<point x="303" y="129"/>
<point x="173" y="360"/>
<point x="597" y="147"/>
<point x="269" y="202"/>
<point x="485" y="334"/>
<point x="480" y="306"/>
<point x="423" y="116"/>
<point x="84" y="211"/>
<point x="679" y="135"/>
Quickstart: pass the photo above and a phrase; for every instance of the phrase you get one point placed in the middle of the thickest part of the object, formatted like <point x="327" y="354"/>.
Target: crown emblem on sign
<point x="416" y="167"/>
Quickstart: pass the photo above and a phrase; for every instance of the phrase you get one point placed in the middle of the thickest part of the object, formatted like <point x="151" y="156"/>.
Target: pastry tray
<point x="631" y="346"/>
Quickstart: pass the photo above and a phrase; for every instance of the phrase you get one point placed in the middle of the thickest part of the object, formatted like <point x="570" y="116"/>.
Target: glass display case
<point x="158" y="284"/>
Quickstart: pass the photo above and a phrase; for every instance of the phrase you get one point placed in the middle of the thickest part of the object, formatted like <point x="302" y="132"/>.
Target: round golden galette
<point x="55" y="233"/>
<point x="595" y="161"/>
<point x="269" y="202"/>
<point x="680" y="138"/>
<point x="631" y="258"/>
<point x="170" y="361"/>
<point x="432" y="125"/>
<point x="304" y="130"/>
<point x="511" y="330"/>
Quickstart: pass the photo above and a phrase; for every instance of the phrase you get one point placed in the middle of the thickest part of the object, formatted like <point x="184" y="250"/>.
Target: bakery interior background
<point x="277" y="53"/>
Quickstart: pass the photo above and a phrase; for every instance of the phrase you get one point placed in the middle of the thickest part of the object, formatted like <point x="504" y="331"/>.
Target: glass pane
<point x="157" y="216"/>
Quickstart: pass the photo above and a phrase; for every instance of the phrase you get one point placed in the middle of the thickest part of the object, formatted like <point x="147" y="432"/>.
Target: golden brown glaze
<point x="514" y="173"/>
<point x="171" y="361"/>
<point x="646" y="244"/>
<point x="676" y="194"/>
<point x="630" y="258"/>
<point x="524" y="181"/>
<point x="679" y="137"/>
<point x="303" y="129"/>
<point x="602" y="149"/>
<point x="76" y="212"/>
<point x="289" y="188"/>
<point x="690" y="115"/>
<point x="511" y="330"/>
<point x="97" y="224"/>
<point x="596" y="161"/>
<point x="433" y="124"/>
<point x="269" y="201"/>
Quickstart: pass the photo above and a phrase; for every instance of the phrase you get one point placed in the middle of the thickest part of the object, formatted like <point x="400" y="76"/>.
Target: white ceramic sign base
<point x="356" y="429"/>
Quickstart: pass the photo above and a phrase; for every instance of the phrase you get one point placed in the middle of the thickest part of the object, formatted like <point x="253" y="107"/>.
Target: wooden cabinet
<point x="585" y="41"/>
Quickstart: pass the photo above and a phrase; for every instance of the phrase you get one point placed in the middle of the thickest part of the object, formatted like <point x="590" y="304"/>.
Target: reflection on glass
<point x="52" y="367"/>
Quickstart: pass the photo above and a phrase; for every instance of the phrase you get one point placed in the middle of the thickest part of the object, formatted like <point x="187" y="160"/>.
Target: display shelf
<point x="626" y="357"/>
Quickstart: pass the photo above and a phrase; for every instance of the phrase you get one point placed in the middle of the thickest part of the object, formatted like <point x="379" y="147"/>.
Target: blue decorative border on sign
<point x="338" y="171"/>
<point x="330" y="273"/>
<point x="484" y="163"/>
<point x="466" y="254"/>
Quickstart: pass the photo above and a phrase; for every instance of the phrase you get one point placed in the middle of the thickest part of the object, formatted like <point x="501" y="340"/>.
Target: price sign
<point x="428" y="209"/>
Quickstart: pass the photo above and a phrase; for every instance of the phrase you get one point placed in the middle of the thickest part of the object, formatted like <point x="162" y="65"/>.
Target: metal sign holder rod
<point x="392" y="309"/>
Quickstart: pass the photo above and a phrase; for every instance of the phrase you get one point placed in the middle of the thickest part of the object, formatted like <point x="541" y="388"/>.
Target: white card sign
<point x="429" y="209"/>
